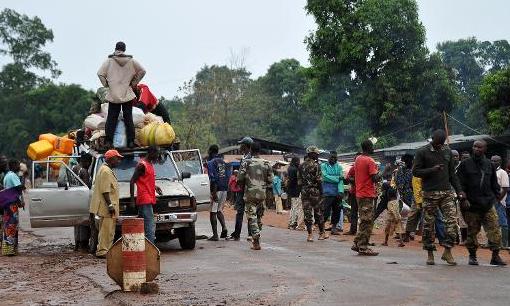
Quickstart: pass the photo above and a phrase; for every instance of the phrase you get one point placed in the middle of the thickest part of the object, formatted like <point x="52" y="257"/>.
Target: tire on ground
<point x="187" y="238"/>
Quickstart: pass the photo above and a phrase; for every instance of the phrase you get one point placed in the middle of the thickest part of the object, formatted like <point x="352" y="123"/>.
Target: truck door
<point x="191" y="161"/>
<point x="58" y="197"/>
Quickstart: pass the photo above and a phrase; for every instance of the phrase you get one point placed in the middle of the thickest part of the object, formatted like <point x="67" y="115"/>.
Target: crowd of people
<point x="438" y="193"/>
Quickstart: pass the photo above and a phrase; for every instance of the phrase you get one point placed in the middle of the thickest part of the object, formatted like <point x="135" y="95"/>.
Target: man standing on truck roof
<point x="145" y="179"/>
<point x="218" y="178"/>
<point x="105" y="201"/>
<point x="120" y="73"/>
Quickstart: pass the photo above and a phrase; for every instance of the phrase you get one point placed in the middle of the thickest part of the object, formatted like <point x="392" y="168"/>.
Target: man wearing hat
<point x="245" y="148"/>
<point x="310" y="178"/>
<point x="105" y="201"/>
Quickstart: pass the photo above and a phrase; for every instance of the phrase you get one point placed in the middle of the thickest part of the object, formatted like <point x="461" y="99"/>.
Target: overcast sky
<point x="174" y="39"/>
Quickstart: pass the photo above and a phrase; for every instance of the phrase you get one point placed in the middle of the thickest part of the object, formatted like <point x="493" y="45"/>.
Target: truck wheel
<point x="187" y="237"/>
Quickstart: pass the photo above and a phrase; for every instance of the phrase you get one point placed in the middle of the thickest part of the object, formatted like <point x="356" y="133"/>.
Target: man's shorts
<point x="218" y="206"/>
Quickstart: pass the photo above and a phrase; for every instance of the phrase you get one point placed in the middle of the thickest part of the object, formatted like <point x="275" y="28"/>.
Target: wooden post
<point x="445" y="120"/>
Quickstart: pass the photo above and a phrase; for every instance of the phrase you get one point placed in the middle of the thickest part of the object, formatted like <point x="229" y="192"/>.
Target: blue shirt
<point x="11" y="180"/>
<point x="218" y="173"/>
<point x="332" y="179"/>
<point x="277" y="185"/>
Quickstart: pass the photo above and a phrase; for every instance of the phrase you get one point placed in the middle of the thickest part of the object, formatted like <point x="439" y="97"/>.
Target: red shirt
<point x="147" y="98"/>
<point x="146" y="185"/>
<point x="232" y="183"/>
<point x="364" y="169"/>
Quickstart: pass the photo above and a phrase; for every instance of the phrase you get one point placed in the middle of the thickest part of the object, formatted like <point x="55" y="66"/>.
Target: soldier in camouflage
<point x="479" y="181"/>
<point x="310" y="179"/>
<point x="435" y="165"/>
<point x="255" y="174"/>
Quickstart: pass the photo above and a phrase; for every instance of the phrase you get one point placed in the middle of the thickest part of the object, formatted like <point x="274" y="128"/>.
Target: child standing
<point x="393" y="218"/>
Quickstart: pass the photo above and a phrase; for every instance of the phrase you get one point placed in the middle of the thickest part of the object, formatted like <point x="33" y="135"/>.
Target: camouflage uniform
<point x="310" y="177"/>
<point x="255" y="174"/>
<point x="444" y="200"/>
<point x="489" y="220"/>
<point x="365" y="224"/>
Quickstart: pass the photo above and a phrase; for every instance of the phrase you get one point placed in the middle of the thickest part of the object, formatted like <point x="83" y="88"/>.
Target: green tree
<point x="369" y="61"/>
<point x="22" y="40"/>
<point x="470" y="60"/>
<point x="495" y="97"/>
<point x="48" y="108"/>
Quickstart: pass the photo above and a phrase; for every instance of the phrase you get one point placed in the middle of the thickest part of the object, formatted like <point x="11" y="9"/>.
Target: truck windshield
<point x="164" y="168"/>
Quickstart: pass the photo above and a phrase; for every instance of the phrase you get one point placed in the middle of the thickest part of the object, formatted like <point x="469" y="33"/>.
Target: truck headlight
<point x="173" y="203"/>
<point x="184" y="203"/>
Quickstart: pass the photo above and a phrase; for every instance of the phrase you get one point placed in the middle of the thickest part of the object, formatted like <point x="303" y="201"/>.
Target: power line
<point x="476" y="131"/>
<point x="411" y="126"/>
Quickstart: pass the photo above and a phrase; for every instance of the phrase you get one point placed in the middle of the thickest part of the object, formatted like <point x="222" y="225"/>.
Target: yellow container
<point x="49" y="137"/>
<point x="39" y="150"/>
<point x="64" y="145"/>
<point x="156" y="134"/>
<point x="63" y="159"/>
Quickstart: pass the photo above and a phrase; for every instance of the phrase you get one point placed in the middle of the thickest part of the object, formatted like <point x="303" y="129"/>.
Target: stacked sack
<point x="149" y="128"/>
<point x="51" y="145"/>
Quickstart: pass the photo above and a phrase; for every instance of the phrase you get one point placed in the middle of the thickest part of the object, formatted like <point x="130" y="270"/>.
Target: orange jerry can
<point x="49" y="137"/>
<point x="39" y="150"/>
<point x="64" y="145"/>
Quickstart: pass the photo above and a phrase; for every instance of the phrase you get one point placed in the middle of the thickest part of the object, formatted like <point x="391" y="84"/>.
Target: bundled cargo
<point x="156" y="134"/>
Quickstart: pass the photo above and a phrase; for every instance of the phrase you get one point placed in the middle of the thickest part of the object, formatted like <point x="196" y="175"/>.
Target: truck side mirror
<point x="185" y="175"/>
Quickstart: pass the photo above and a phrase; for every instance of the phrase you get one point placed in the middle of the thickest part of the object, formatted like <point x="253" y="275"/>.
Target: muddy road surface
<point x="287" y="271"/>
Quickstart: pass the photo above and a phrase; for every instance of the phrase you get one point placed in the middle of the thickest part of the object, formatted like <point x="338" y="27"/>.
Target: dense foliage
<point x="370" y="75"/>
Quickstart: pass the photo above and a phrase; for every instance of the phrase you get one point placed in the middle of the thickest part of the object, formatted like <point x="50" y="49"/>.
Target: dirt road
<point x="288" y="271"/>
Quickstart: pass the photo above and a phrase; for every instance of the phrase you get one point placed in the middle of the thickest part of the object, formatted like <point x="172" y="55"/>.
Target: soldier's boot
<point x="310" y="233"/>
<point x="448" y="257"/>
<point x="430" y="258"/>
<point x="472" y="258"/>
<point x="496" y="259"/>
<point x="406" y="237"/>
<point x="323" y="236"/>
<point x="255" y="243"/>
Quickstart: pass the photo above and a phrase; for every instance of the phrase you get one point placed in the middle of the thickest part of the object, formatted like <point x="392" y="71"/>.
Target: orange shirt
<point x="364" y="169"/>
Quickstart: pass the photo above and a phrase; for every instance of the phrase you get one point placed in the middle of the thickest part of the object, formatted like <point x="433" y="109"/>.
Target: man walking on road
<point x="145" y="179"/>
<point x="366" y="173"/>
<point x="352" y="200"/>
<point x="120" y="73"/>
<point x="310" y="178"/>
<point x="333" y="190"/>
<point x="479" y="181"/>
<point x="256" y="175"/>
<point x="435" y="165"/>
<point x="245" y="149"/>
<point x="296" y="217"/>
<point x="503" y="182"/>
<point x="218" y="179"/>
<point x="105" y="201"/>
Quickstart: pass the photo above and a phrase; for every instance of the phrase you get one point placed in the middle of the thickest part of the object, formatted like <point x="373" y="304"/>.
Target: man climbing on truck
<point x="145" y="179"/>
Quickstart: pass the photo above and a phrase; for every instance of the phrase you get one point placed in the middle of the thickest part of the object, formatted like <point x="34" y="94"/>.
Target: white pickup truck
<point x="180" y="175"/>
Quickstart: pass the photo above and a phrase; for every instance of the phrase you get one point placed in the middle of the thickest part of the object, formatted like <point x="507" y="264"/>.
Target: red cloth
<point x="146" y="185"/>
<point x="364" y="169"/>
<point x="232" y="184"/>
<point x="146" y="97"/>
<point x="350" y="174"/>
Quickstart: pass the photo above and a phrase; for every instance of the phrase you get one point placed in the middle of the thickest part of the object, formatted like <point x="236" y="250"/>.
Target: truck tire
<point x="187" y="238"/>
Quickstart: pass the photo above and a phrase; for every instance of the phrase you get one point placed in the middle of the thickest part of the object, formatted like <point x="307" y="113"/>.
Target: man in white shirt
<point x="503" y="182"/>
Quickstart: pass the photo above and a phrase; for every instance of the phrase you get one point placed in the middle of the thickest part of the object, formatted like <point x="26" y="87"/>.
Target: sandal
<point x="368" y="252"/>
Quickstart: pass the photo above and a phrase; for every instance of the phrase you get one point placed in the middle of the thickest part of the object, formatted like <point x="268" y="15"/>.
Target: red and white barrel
<point x="134" y="264"/>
